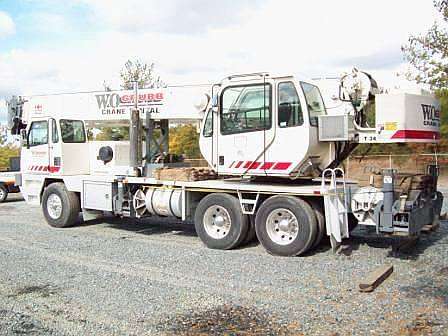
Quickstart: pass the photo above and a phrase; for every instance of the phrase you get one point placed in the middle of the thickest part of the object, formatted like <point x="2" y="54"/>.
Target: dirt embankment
<point x="360" y="168"/>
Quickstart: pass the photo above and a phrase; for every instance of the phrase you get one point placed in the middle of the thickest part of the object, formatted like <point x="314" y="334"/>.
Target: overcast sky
<point x="53" y="46"/>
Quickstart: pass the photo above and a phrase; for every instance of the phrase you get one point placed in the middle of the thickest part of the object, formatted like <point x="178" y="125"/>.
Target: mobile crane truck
<point x="269" y="139"/>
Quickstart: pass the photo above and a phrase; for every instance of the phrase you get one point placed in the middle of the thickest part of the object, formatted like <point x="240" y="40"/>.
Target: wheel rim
<point x="2" y="193"/>
<point x="217" y="222"/>
<point x="139" y="203"/>
<point x="282" y="226"/>
<point x="54" y="206"/>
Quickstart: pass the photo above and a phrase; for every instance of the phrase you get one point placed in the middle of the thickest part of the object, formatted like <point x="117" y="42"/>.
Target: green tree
<point x="184" y="139"/>
<point x="119" y="133"/>
<point x="428" y="57"/>
<point x="7" y="152"/>
<point x="143" y="73"/>
<point x="428" y="53"/>
<point x="443" y="96"/>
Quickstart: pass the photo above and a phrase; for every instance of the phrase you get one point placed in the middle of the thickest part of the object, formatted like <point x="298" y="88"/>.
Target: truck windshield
<point x="314" y="102"/>
<point x="72" y="131"/>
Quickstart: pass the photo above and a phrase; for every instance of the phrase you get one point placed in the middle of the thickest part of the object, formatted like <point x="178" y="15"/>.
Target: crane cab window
<point x="289" y="108"/>
<point x="208" y="126"/>
<point x="72" y="131"/>
<point x="38" y="134"/>
<point x="246" y="109"/>
<point x="314" y="102"/>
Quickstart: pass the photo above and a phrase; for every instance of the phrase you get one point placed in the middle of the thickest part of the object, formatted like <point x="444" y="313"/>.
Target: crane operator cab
<point x="260" y="125"/>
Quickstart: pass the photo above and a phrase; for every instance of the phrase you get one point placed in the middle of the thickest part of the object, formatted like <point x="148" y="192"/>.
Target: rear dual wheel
<point x="251" y="235"/>
<point x="286" y="226"/>
<point x="320" y="218"/>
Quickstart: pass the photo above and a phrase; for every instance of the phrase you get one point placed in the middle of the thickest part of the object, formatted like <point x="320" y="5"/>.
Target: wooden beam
<point x="430" y="227"/>
<point x="375" y="278"/>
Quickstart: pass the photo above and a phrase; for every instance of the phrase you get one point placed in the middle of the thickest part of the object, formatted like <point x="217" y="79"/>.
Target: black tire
<point x="251" y="235"/>
<point x="238" y="227"/>
<point x="3" y="193"/>
<point x="320" y="218"/>
<point x="306" y="220"/>
<point x="70" y="206"/>
<point x="352" y="222"/>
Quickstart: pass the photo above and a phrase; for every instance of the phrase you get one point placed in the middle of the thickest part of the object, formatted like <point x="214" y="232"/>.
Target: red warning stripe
<point x="416" y="135"/>
<point x="252" y="165"/>
<point x="51" y="169"/>
<point x="282" y="165"/>
<point x="267" y="165"/>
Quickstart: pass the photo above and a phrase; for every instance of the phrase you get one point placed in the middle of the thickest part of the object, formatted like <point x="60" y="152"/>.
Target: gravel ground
<point x="154" y="277"/>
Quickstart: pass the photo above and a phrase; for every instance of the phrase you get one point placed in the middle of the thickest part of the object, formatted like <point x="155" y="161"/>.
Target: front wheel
<point x="3" y="193"/>
<point x="220" y="222"/>
<point x="60" y="206"/>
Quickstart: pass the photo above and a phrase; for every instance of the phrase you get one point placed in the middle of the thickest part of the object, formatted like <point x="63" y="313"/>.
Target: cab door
<point x="54" y="147"/>
<point x="34" y="160"/>
<point x="292" y="141"/>
<point x="244" y="128"/>
<point x="35" y="157"/>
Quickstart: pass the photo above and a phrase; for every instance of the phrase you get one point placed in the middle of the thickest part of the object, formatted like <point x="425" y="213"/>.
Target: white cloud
<point x="7" y="26"/>
<point x="174" y="16"/>
<point x="45" y="22"/>
<point x="199" y="41"/>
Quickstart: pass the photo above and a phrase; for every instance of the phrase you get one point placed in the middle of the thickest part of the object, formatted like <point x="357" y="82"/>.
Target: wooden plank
<point x="186" y="174"/>
<point x="430" y="227"/>
<point x="375" y="278"/>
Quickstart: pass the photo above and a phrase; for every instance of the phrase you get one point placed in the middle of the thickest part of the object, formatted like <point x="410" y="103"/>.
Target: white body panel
<point x="167" y="103"/>
<point x="407" y="118"/>
<point x="120" y="161"/>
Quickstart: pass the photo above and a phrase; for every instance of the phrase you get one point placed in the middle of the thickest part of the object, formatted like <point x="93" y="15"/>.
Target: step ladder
<point x="248" y="204"/>
<point x="336" y="206"/>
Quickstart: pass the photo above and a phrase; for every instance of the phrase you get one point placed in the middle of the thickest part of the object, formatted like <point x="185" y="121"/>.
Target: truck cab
<point x="52" y="147"/>
<point x="261" y="125"/>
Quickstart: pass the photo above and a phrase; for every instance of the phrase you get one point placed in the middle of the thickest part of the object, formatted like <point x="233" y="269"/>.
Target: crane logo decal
<point x="114" y="103"/>
<point x="431" y="115"/>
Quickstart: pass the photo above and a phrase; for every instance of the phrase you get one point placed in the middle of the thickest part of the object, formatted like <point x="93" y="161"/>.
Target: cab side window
<point x="72" y="131"/>
<point x="314" y="101"/>
<point x="208" y="127"/>
<point x="38" y="134"/>
<point x="289" y="108"/>
<point x="246" y="109"/>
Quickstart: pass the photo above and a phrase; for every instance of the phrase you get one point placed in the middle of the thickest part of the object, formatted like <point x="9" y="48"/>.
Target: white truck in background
<point x="7" y="185"/>
<point x="269" y="139"/>
<point x="8" y="178"/>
